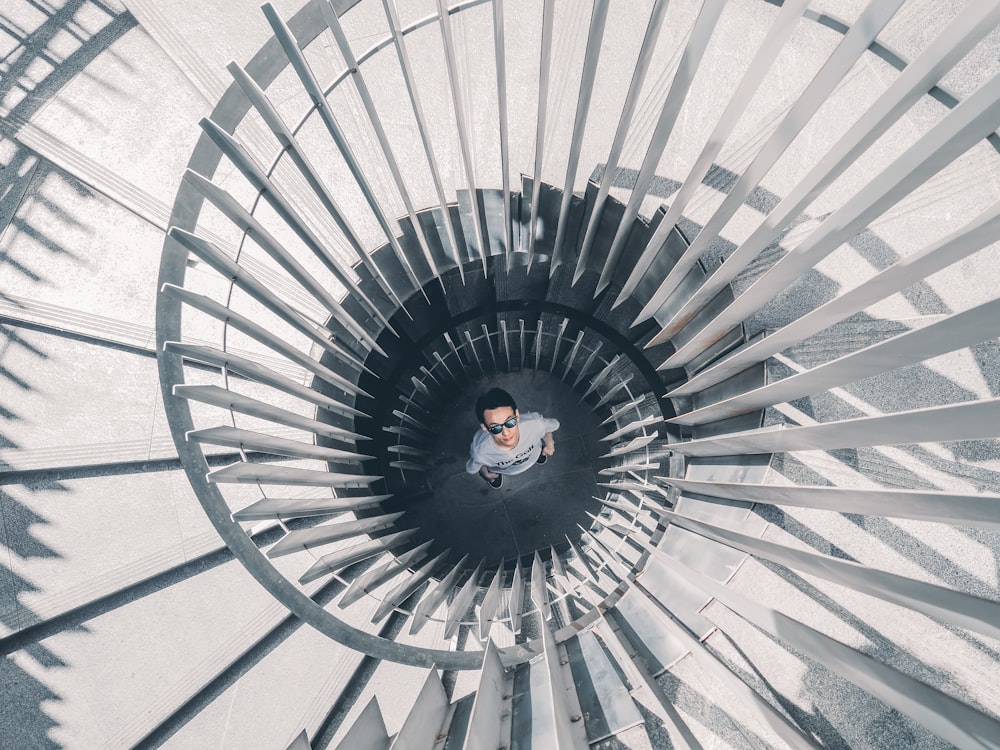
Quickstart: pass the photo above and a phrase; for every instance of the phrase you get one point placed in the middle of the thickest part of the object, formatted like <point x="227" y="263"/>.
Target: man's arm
<point x="549" y="444"/>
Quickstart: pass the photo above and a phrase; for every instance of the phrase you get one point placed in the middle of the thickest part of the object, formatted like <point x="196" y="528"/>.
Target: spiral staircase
<point x="742" y="250"/>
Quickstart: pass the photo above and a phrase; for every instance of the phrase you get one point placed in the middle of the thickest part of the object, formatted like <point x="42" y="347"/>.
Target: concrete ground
<point x="124" y="621"/>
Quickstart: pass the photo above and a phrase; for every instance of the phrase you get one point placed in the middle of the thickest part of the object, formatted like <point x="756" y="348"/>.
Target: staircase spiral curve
<point x="742" y="250"/>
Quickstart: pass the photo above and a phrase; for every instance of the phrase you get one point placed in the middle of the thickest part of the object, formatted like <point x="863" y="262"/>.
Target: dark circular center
<point x="532" y="510"/>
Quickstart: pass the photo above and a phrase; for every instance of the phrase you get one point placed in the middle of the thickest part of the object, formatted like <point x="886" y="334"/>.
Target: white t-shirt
<point x="485" y="452"/>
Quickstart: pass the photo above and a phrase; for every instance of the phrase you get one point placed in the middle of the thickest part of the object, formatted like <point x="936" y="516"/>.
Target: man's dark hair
<point x="494" y="398"/>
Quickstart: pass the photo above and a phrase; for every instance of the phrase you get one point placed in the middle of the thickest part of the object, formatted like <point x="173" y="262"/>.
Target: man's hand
<point x="548" y="445"/>
<point x="486" y="474"/>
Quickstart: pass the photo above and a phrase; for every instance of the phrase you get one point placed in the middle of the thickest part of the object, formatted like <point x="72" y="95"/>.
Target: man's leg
<point x="493" y="480"/>
<point x="542" y="458"/>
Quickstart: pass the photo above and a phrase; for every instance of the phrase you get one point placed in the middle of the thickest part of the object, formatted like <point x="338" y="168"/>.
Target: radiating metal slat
<point x="357" y="76"/>
<point x="485" y="720"/>
<point x="958" y="331"/>
<point x="423" y="723"/>
<point x="304" y="507"/>
<point x="375" y="576"/>
<point x="913" y="82"/>
<point x="926" y="261"/>
<point x="632" y="97"/>
<point x="432" y="600"/>
<point x="500" y="55"/>
<point x="460" y="604"/>
<point x="368" y="731"/>
<point x="591" y="57"/>
<point x="539" y="591"/>
<point x="315" y="91"/>
<point x="544" y="66"/>
<point x="222" y="397"/>
<point x="972" y="420"/>
<point x="464" y="141"/>
<point x="245" y="221"/>
<point x="491" y="604"/>
<point x="937" y="602"/>
<point x="286" y="137"/>
<point x="259" y="373"/>
<point x="948" y="718"/>
<point x="956" y="509"/>
<point x="403" y="590"/>
<point x="282" y="206"/>
<point x="970" y="121"/>
<point x="301" y="539"/>
<point x="331" y="563"/>
<point x="697" y="43"/>
<point x="261" y="334"/>
<point x="246" y="473"/>
<point x="262" y="293"/>
<point x="259" y="441"/>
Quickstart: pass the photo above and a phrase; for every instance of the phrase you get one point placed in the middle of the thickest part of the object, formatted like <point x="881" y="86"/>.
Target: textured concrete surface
<point x="87" y="73"/>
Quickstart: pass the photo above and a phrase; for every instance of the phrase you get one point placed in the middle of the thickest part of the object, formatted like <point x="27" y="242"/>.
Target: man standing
<point x="508" y="442"/>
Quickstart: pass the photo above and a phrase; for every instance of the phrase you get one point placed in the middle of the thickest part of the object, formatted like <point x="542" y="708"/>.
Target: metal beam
<point x="954" y="721"/>
<point x="258" y="441"/>
<point x="460" y="604"/>
<point x="374" y="577"/>
<point x="500" y="53"/>
<point x="423" y="723"/>
<point x="712" y="665"/>
<point x="434" y="598"/>
<point x="247" y="473"/>
<point x="559" y="730"/>
<point x="291" y="146"/>
<point x="331" y="563"/>
<point x="485" y="717"/>
<point x="402" y="591"/>
<point x="642" y="63"/>
<point x="490" y="604"/>
<point x="971" y="420"/>
<point x="298" y="61"/>
<point x="545" y="64"/>
<point x="368" y="731"/>
<point x="237" y="402"/>
<point x="249" y="224"/>
<point x="539" y="591"/>
<point x="958" y="131"/>
<point x="259" y="373"/>
<point x="912" y="83"/>
<point x="301" y="539"/>
<point x="698" y="40"/>
<point x="262" y="293"/>
<point x="304" y="507"/>
<point x="592" y="56"/>
<point x="955" y="509"/>
<point x="950" y="249"/>
<point x="464" y="141"/>
<point x="782" y="28"/>
<point x="261" y="334"/>
<point x="937" y="602"/>
<point x="950" y="334"/>
<point x="282" y="206"/>
<point x="333" y="23"/>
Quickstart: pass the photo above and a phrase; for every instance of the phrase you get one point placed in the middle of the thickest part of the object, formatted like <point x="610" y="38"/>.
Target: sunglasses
<point x="496" y="429"/>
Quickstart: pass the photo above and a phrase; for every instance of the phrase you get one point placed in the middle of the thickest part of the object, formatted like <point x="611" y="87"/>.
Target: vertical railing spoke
<point x="545" y="63"/>
<point x="642" y="65"/>
<point x="418" y="112"/>
<point x="690" y="59"/>
<point x="461" y="117"/>
<point x="592" y="55"/>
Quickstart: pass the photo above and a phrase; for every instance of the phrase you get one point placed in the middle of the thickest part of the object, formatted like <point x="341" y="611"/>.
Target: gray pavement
<point x="114" y="662"/>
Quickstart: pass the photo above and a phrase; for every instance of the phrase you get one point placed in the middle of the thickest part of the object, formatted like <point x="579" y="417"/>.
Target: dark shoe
<point x="494" y="483"/>
<point x="542" y="458"/>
